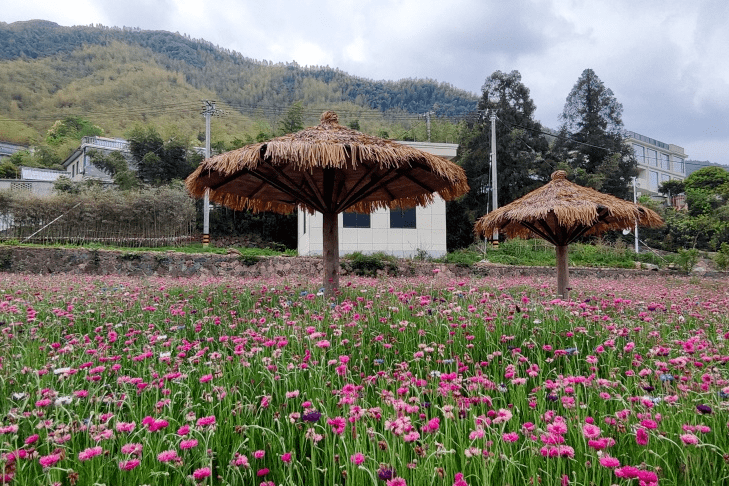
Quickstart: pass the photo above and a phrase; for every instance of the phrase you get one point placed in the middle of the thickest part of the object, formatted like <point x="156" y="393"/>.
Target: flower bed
<point x="427" y="380"/>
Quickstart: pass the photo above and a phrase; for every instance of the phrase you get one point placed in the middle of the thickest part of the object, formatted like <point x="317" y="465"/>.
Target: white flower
<point x="59" y="371"/>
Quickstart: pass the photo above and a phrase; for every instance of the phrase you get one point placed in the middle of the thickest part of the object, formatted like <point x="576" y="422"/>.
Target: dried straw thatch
<point x="561" y="211"/>
<point x="331" y="169"/>
<point x="326" y="168"/>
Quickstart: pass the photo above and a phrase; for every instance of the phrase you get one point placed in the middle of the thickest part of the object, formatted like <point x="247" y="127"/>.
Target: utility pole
<point x="208" y="110"/>
<point x="635" y="201"/>
<point x="494" y="191"/>
<point x="427" y="122"/>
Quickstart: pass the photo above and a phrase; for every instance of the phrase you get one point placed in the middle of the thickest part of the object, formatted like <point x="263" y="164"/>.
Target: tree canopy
<point x="591" y="138"/>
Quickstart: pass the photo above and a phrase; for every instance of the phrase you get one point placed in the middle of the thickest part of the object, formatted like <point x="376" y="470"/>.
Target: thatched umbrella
<point x="327" y="168"/>
<point x="560" y="212"/>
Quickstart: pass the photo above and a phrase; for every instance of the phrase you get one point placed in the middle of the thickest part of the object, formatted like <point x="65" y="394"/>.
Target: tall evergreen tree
<point x="520" y="145"/>
<point x="591" y="138"/>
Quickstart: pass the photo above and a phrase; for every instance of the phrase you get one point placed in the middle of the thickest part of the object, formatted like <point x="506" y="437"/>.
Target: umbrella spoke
<point x="536" y="230"/>
<point x="356" y="186"/>
<point x="581" y="229"/>
<point x="314" y="188"/>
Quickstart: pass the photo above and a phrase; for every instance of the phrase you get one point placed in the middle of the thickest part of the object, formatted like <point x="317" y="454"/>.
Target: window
<point x="304" y="218"/>
<point x="639" y="153"/>
<point x="355" y="220"/>
<point x="664" y="162"/>
<point x="678" y="165"/>
<point x="402" y="218"/>
<point x="653" y="180"/>
<point x="652" y="158"/>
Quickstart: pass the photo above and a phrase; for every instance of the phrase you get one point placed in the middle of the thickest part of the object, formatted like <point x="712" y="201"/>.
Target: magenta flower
<point x="132" y="448"/>
<point x="338" y="425"/>
<point x="396" y="482"/>
<point x="206" y="421"/>
<point x="202" y="473"/>
<point x="188" y="444"/>
<point x="608" y="461"/>
<point x="50" y="460"/>
<point x="510" y="437"/>
<point x="262" y="472"/>
<point x="641" y="437"/>
<point x="689" y="439"/>
<point x="357" y="458"/>
<point x="286" y="457"/>
<point x="184" y="430"/>
<point x="125" y="426"/>
<point x="89" y="453"/>
<point x="167" y="456"/>
<point x="591" y="431"/>
<point x="33" y="438"/>
<point x="259" y="454"/>
<point x="129" y="464"/>
<point x="459" y="481"/>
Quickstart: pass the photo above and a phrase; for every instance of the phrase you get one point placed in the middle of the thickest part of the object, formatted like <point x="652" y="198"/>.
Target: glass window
<point x="355" y="220"/>
<point x="402" y="218"/>
<point x="678" y="165"/>
<point x="653" y="182"/>
<point x="304" y="218"/>
<point x="639" y="153"/>
<point x="664" y="162"/>
<point x="652" y="158"/>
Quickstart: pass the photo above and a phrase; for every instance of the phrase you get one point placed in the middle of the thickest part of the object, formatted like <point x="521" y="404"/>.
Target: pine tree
<point x="591" y="138"/>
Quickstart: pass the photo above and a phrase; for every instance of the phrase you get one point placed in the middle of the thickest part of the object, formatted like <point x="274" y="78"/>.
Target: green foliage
<point x="722" y="257"/>
<point x="159" y="162"/>
<point x="294" y="119"/>
<point x="73" y="128"/>
<point x="673" y="187"/>
<point x="249" y="260"/>
<point x="520" y="147"/>
<point x="8" y="170"/>
<point x="368" y="265"/>
<point x="6" y="260"/>
<point x="687" y="259"/>
<point x="591" y="140"/>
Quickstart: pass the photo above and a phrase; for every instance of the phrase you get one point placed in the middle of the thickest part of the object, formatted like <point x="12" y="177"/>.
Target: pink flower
<point x="286" y="457"/>
<point x="459" y="481"/>
<point x="201" y="473"/>
<point x="49" y="460"/>
<point x="591" y="431"/>
<point x="323" y="344"/>
<point x="259" y="454"/>
<point x="125" y="426"/>
<point x="132" y="448"/>
<point x="206" y="378"/>
<point x="357" y="458"/>
<point x="608" y="461"/>
<point x="89" y="453"/>
<point x="128" y="465"/>
<point x="167" y="456"/>
<point x="206" y="421"/>
<point x="33" y="438"/>
<point x="510" y="437"/>
<point x="689" y="439"/>
<point x="338" y="425"/>
<point x="641" y="437"/>
<point x="396" y="482"/>
<point x="188" y="444"/>
<point x="262" y="472"/>
<point x="184" y="430"/>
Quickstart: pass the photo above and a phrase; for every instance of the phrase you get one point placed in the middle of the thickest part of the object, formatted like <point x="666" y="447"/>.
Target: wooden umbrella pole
<point x="562" y="272"/>
<point x="331" y="253"/>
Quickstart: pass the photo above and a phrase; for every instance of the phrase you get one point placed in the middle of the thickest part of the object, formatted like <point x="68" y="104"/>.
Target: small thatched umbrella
<point x="327" y="168"/>
<point x="560" y="212"/>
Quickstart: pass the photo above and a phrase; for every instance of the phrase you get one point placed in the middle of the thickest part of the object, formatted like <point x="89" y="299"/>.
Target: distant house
<point x="7" y="149"/>
<point x="37" y="181"/>
<point x="400" y="233"/>
<point x="78" y="165"/>
<point x="658" y="162"/>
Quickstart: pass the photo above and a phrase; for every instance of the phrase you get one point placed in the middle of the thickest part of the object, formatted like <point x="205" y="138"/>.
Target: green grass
<point x="539" y="253"/>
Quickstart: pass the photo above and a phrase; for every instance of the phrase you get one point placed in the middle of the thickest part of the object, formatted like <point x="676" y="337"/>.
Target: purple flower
<point x="311" y="416"/>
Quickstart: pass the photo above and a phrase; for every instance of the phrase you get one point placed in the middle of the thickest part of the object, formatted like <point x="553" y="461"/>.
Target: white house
<point x="399" y="233"/>
<point x="658" y="162"/>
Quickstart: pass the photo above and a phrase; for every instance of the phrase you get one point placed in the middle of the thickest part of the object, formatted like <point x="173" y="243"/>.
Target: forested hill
<point x="235" y="79"/>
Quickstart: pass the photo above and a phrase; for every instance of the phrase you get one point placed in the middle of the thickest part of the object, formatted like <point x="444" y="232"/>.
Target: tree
<point x="591" y="138"/>
<point x="160" y="162"/>
<point x="294" y="119"/>
<point x="520" y="146"/>
<point x="117" y="167"/>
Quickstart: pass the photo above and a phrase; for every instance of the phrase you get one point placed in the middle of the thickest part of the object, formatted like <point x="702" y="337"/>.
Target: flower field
<point x="430" y="381"/>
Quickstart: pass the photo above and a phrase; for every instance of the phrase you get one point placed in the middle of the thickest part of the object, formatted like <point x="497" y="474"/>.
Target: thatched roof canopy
<point x="561" y="211"/>
<point x="327" y="168"/>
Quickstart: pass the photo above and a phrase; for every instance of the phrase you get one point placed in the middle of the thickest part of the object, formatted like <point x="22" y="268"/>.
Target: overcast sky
<point x="667" y="61"/>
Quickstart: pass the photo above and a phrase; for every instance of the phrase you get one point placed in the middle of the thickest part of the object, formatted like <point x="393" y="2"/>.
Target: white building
<point x="658" y="162"/>
<point x="78" y="164"/>
<point x="398" y="233"/>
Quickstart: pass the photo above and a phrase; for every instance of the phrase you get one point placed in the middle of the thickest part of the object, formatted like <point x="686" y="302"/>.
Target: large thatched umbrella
<point x="560" y="212"/>
<point x="327" y="168"/>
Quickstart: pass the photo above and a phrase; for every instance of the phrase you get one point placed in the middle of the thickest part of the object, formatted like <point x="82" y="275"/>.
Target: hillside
<point x="119" y="77"/>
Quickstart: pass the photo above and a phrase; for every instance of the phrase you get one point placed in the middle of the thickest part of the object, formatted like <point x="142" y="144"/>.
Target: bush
<point x="368" y="265"/>
<point x="722" y="257"/>
<point x="687" y="259"/>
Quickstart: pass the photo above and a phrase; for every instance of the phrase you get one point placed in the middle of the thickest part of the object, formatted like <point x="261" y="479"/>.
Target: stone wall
<point x="20" y="259"/>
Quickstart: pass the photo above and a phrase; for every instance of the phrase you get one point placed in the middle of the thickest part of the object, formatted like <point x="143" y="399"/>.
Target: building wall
<point x="429" y="235"/>
<point x="657" y="162"/>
